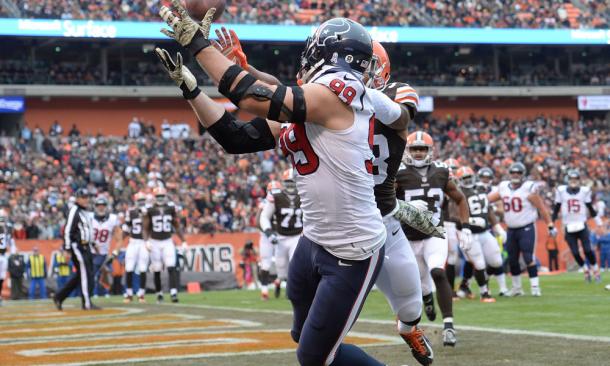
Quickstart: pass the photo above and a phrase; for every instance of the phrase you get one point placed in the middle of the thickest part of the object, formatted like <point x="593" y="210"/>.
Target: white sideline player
<point x="106" y="228"/>
<point x="572" y="201"/>
<point x="522" y="204"/>
<point x="137" y="255"/>
<point x="281" y="221"/>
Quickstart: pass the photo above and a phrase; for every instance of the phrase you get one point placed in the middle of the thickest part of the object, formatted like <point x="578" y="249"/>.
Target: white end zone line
<point x="384" y="340"/>
<point x="533" y="333"/>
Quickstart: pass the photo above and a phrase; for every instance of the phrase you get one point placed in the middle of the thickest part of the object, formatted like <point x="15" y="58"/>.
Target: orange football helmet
<point x="140" y="199"/>
<point x="453" y="165"/>
<point x="160" y="194"/>
<point x="419" y="149"/>
<point x="466" y="176"/>
<point x="288" y="181"/>
<point x="274" y="184"/>
<point x="379" y="70"/>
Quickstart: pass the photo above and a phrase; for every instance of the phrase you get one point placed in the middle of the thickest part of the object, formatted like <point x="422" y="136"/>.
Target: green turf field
<point x="567" y="305"/>
<point x="568" y="325"/>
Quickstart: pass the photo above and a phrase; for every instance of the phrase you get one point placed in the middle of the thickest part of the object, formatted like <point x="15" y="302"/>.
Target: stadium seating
<point x="440" y="13"/>
<point x="220" y="193"/>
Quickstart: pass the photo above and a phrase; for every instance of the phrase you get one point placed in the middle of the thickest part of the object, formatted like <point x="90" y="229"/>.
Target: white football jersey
<point x="518" y="210"/>
<point x="335" y="180"/>
<point x="573" y="206"/>
<point x="102" y="231"/>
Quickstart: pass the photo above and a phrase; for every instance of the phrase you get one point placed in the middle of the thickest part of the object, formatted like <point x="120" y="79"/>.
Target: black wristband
<point x="465" y="226"/>
<point x="189" y="94"/>
<point x="198" y="43"/>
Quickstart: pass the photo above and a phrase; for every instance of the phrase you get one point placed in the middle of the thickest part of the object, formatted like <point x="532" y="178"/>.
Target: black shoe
<point x="278" y="290"/>
<point x="464" y="292"/>
<point x="57" y="303"/>
<point x="430" y="311"/>
<point x="174" y="298"/>
<point x="92" y="307"/>
<point x="159" y="298"/>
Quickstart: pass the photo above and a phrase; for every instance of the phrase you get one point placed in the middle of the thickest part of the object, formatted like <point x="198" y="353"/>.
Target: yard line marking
<point x="534" y="333"/>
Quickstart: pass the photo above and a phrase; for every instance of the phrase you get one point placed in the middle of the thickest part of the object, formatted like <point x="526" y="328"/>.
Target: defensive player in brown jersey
<point x="160" y="223"/>
<point x="451" y="217"/>
<point x="137" y="254"/>
<point x="282" y="222"/>
<point x="399" y="276"/>
<point x="484" y="253"/>
<point x="426" y="182"/>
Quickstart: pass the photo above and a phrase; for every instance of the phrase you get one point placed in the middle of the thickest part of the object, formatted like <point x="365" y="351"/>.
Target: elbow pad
<point x="237" y="137"/>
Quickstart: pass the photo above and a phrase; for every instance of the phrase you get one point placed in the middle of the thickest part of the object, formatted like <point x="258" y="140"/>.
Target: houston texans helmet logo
<point x="331" y="31"/>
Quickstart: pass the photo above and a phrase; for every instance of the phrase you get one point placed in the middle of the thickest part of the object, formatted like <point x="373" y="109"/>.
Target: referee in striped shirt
<point x="77" y="239"/>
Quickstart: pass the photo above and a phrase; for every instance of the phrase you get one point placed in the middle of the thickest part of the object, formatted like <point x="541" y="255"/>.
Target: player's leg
<point x="169" y="260"/>
<point x="453" y="256"/>
<point x="583" y="236"/>
<point x="464" y="288"/>
<point x="131" y="256"/>
<point x="527" y="244"/>
<point x="266" y="255"/>
<point x="572" y="240"/>
<point x="475" y="255"/>
<point x="84" y="260"/>
<point x="493" y="259"/>
<point x="513" y="250"/>
<point x="435" y="256"/>
<point x="98" y="261"/>
<point x="3" y="269"/>
<point x="143" y="261"/>
<point x="425" y="279"/>
<point x="343" y="286"/>
<point x="156" y="258"/>
<point x="399" y="281"/>
<point x="302" y="283"/>
<point x="282" y="254"/>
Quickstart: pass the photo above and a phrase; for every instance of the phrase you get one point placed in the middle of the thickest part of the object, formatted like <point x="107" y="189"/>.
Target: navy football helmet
<point x="339" y="42"/>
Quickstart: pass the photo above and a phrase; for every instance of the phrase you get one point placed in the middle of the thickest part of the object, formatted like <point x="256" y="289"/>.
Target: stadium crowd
<point x="445" y="13"/>
<point x="417" y="73"/>
<point x="217" y="192"/>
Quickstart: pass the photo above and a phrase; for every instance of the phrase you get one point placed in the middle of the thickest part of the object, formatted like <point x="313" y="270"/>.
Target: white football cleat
<point x="516" y="291"/>
<point x="536" y="291"/>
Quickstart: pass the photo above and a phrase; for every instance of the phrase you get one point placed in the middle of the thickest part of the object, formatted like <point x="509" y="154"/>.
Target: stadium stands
<point x="417" y="74"/>
<point x="443" y="13"/>
<point x="219" y="192"/>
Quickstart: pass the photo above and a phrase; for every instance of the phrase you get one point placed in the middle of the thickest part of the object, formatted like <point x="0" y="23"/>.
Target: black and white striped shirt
<point x="78" y="228"/>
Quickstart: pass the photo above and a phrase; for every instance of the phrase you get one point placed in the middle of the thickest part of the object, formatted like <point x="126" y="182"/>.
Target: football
<point x="198" y="8"/>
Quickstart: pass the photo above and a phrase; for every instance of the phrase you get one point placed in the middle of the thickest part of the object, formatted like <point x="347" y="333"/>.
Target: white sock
<point x="534" y="282"/>
<point x="404" y="328"/>
<point x="483" y="289"/>
<point x="141" y="292"/>
<point x="501" y="279"/>
<point x="595" y="268"/>
<point x="129" y="292"/>
<point x="264" y="290"/>
<point x="173" y="291"/>
<point x="516" y="281"/>
<point x="447" y="320"/>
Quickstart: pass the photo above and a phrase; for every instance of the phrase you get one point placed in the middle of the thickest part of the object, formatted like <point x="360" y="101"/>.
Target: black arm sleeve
<point x="592" y="211"/>
<point x="556" y="208"/>
<point x="237" y="137"/>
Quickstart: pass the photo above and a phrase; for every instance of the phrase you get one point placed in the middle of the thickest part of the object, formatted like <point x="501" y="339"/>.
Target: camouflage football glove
<point x="229" y="45"/>
<point x="180" y="74"/>
<point x="420" y="220"/>
<point x="191" y="35"/>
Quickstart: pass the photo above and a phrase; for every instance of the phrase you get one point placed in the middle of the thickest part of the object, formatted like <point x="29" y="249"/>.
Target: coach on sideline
<point x="77" y="240"/>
